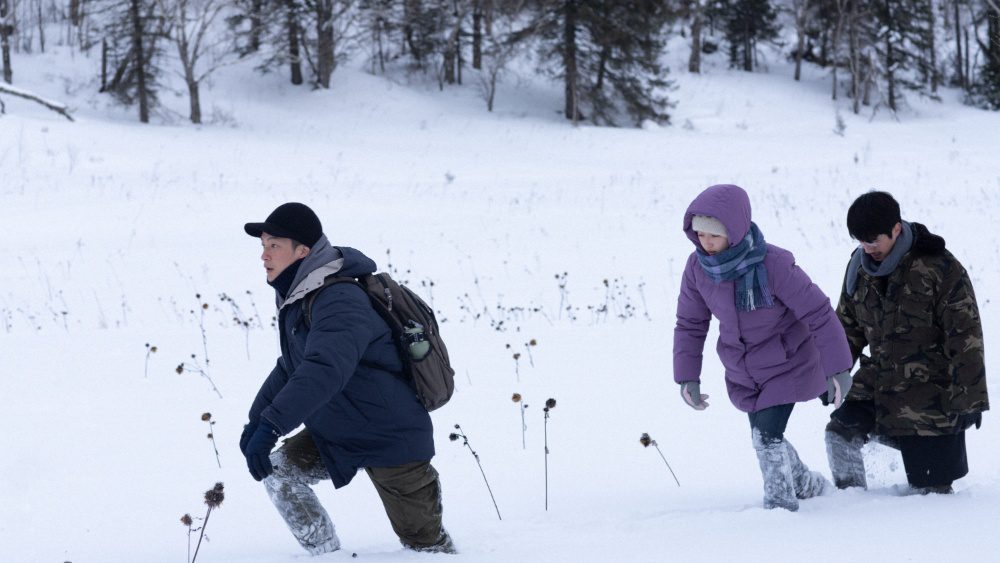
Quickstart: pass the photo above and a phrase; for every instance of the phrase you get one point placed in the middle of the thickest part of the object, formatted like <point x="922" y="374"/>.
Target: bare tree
<point x="802" y="10"/>
<point x="494" y="62"/>
<point x="696" y="11"/>
<point x="193" y="33"/>
<point x="326" y="14"/>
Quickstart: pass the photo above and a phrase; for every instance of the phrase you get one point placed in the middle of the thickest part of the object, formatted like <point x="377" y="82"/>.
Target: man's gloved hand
<point x="691" y="393"/>
<point x="838" y="385"/>
<point x="248" y="430"/>
<point x="259" y="448"/>
<point x="966" y="421"/>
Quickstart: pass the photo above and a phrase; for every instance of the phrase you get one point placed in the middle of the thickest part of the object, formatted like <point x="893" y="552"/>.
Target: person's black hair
<point x="871" y="215"/>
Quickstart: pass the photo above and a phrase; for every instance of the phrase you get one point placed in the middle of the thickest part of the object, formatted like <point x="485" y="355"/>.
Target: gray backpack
<point x="414" y="330"/>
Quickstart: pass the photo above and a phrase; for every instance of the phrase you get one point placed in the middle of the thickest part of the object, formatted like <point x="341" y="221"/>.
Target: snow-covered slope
<point x="112" y="228"/>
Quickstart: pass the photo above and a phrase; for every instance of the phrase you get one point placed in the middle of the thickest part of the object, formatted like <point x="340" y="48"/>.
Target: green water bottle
<point x="416" y="341"/>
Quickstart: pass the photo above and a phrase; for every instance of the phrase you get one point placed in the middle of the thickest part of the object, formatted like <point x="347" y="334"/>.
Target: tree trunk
<point x="5" y="29"/>
<point x="41" y="27"/>
<point x="477" y="37"/>
<point x="75" y="13"/>
<point x="572" y="109"/>
<point x="968" y="62"/>
<point x="747" y="48"/>
<point x="855" y="61"/>
<point x="449" y="65"/>
<point x="256" y="24"/>
<point x="294" y="57"/>
<point x="932" y="38"/>
<point x="697" y="19"/>
<point x="195" y="97"/>
<point x="959" y="66"/>
<point x="838" y="32"/>
<point x="324" y="42"/>
<point x="411" y="9"/>
<point x="890" y="75"/>
<point x="104" y="65"/>
<point x="140" y="61"/>
<point x="800" y="29"/>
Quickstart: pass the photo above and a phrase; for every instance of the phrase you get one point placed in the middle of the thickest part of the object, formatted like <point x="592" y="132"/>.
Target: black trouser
<point x="929" y="461"/>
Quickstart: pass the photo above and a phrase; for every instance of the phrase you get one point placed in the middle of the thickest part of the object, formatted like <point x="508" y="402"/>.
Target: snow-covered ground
<point x="113" y="228"/>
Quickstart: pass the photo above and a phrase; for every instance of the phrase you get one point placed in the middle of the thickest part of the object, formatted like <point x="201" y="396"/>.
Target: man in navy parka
<point x="340" y="377"/>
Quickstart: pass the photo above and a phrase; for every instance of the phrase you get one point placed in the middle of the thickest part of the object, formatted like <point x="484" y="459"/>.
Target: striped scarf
<point x="744" y="264"/>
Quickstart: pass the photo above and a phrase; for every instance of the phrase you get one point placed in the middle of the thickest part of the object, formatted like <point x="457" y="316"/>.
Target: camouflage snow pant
<point x="411" y="494"/>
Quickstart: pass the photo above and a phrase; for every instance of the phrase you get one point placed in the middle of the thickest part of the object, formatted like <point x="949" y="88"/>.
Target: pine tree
<point x="746" y="23"/>
<point x="606" y="54"/>
<point x="903" y="41"/>
<point x="628" y="37"/>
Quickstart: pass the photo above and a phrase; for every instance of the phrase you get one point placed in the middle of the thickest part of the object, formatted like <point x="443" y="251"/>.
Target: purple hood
<point x="729" y="204"/>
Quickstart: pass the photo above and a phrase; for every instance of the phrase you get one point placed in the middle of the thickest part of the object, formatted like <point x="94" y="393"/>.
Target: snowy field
<point x="518" y="227"/>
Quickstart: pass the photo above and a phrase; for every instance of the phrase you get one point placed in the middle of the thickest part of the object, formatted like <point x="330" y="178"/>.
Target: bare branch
<point x="57" y="107"/>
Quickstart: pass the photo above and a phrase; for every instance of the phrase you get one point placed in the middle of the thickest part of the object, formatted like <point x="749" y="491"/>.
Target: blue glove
<point x="248" y="430"/>
<point x="259" y="448"/>
<point x="691" y="393"/>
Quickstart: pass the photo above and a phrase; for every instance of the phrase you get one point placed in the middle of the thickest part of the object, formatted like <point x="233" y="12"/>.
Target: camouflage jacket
<point x="925" y="339"/>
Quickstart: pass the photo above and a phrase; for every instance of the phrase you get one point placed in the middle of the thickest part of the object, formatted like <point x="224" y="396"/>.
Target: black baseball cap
<point x="291" y="220"/>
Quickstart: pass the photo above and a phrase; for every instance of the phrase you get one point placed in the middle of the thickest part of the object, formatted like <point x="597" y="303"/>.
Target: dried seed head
<point x="186" y="520"/>
<point x="550" y="403"/>
<point x="516" y="398"/>
<point x="210" y="436"/>
<point x="197" y="296"/>
<point x="204" y="305"/>
<point x="457" y="427"/>
<point x="453" y="437"/>
<point x="645" y="440"/>
<point x="206" y="416"/>
<point x="533" y="342"/>
<point x="507" y="346"/>
<point x="180" y="368"/>
<point x="153" y="349"/>
<point x="517" y="355"/>
<point x="214" y="496"/>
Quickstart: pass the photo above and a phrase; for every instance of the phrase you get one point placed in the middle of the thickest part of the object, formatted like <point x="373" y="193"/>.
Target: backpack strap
<point x="307" y="304"/>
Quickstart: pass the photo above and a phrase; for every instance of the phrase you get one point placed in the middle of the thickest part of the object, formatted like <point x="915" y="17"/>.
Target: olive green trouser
<point x="410" y="493"/>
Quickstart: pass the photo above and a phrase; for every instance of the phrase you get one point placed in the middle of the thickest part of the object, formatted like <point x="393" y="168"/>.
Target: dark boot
<point x="846" y="462"/>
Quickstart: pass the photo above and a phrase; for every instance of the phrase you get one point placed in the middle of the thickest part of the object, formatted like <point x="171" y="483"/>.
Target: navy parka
<point x="341" y="376"/>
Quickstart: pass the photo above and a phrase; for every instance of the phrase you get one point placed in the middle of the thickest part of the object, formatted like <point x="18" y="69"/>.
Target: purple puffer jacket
<point x="772" y="356"/>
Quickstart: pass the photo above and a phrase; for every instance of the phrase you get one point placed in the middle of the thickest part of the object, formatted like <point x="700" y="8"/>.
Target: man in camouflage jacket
<point x="923" y="382"/>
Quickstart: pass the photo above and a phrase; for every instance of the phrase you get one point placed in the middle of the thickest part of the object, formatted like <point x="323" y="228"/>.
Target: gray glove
<point x="691" y="393"/>
<point x="838" y="385"/>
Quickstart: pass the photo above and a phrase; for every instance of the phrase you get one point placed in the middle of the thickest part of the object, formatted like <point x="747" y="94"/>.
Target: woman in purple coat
<point x="780" y="341"/>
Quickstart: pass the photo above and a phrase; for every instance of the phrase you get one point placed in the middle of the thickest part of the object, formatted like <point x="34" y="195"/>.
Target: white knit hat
<point x="710" y="225"/>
